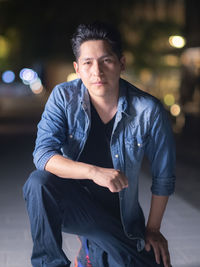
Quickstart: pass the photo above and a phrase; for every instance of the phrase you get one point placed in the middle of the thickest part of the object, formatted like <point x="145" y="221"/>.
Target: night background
<point x="161" y="42"/>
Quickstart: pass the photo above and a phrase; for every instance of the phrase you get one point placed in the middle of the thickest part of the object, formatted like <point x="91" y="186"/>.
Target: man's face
<point x="99" y="68"/>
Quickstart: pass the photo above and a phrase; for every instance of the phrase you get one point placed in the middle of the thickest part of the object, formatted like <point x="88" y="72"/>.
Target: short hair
<point x="96" y="31"/>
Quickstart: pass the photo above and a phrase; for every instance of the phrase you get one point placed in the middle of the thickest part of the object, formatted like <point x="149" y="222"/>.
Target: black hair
<point x="96" y="31"/>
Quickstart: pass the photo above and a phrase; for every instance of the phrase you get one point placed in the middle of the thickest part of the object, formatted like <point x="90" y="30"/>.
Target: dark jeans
<point x="55" y="205"/>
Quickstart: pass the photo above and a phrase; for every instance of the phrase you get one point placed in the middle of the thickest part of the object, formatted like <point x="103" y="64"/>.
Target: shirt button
<point x="139" y="144"/>
<point x="70" y="136"/>
<point x="84" y="106"/>
<point x="116" y="156"/>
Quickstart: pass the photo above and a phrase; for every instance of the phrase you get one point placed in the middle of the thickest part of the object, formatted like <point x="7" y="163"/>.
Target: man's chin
<point x="98" y="88"/>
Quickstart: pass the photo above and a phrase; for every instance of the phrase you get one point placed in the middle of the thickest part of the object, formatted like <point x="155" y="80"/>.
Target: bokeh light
<point x="169" y="99"/>
<point x="175" y="110"/>
<point x="8" y="76"/>
<point x="4" y="47"/>
<point x="72" y="76"/>
<point x="177" y="41"/>
<point x="36" y="86"/>
<point x="171" y="60"/>
<point x="145" y="75"/>
<point x="28" y="76"/>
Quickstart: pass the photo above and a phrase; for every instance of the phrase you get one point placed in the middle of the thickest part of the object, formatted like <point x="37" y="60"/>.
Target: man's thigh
<point x="83" y="214"/>
<point x="64" y="197"/>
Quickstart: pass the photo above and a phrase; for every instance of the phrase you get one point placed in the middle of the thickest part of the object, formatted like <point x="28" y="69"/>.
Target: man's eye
<point x="107" y="60"/>
<point x="86" y="62"/>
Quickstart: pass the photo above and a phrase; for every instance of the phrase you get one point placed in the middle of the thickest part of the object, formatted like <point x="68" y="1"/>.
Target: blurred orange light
<point x="72" y="76"/>
<point x="36" y="86"/>
<point x="145" y="75"/>
<point x="171" y="60"/>
<point x="175" y="110"/>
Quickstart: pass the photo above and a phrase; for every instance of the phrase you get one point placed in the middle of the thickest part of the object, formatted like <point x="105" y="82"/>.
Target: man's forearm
<point x="67" y="168"/>
<point x="113" y="179"/>
<point x="158" y="205"/>
<point x="153" y="236"/>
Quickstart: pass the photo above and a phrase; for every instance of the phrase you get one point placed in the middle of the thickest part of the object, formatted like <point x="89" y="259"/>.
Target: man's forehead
<point x="95" y="49"/>
<point x="92" y="58"/>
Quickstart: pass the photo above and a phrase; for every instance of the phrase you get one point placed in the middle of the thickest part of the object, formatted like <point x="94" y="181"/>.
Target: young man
<point x="91" y="141"/>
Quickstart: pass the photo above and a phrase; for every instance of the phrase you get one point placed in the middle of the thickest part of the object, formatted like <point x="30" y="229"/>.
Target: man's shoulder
<point x="139" y="98"/>
<point x="71" y="86"/>
<point x="68" y="90"/>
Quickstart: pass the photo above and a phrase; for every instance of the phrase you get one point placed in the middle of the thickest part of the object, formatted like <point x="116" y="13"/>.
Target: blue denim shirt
<point x="141" y="127"/>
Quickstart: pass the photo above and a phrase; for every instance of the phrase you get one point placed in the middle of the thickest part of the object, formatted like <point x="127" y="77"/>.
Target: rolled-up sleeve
<point x="160" y="150"/>
<point x="51" y="129"/>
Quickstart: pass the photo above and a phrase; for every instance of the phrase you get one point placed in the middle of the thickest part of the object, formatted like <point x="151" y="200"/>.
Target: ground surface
<point x="180" y="224"/>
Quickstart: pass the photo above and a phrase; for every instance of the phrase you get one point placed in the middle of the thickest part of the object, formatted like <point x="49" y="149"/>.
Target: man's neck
<point x="105" y="106"/>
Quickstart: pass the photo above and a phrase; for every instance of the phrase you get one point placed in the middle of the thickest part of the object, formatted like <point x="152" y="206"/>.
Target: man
<point x="91" y="141"/>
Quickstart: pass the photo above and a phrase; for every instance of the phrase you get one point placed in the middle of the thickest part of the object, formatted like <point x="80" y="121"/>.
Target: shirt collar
<point x="122" y="102"/>
<point x="85" y="98"/>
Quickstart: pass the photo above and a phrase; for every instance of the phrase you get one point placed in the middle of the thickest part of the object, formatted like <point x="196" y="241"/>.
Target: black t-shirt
<point x="97" y="152"/>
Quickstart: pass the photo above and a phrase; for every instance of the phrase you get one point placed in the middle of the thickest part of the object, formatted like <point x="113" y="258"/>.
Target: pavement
<point x="180" y="224"/>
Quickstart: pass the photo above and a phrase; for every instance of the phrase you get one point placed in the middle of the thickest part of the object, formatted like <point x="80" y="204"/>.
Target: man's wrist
<point x="152" y="229"/>
<point x="90" y="171"/>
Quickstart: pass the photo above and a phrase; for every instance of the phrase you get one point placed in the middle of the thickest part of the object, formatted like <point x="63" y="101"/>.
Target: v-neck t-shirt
<point x="97" y="152"/>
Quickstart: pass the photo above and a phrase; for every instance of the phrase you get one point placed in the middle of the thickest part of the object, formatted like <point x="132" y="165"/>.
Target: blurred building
<point x="161" y="44"/>
<point x="163" y="54"/>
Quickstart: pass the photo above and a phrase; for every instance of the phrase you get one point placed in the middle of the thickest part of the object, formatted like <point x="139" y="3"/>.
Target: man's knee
<point x="37" y="179"/>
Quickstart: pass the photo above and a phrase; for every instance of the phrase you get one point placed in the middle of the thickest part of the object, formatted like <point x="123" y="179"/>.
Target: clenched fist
<point x="113" y="179"/>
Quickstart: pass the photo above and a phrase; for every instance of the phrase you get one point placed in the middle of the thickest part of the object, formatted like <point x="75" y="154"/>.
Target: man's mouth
<point x="98" y="82"/>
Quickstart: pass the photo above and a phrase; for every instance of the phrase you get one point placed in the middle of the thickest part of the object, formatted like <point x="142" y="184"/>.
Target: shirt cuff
<point x="163" y="187"/>
<point x="41" y="163"/>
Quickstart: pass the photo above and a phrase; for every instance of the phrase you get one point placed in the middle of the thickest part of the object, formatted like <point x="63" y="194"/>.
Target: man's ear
<point x="123" y="63"/>
<point x="75" y="64"/>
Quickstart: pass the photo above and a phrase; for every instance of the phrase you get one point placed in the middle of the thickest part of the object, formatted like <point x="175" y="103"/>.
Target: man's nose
<point x="97" y="69"/>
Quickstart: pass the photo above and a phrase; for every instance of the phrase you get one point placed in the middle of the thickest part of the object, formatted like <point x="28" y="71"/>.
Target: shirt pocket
<point x="73" y="144"/>
<point x="135" y="147"/>
<point x="136" y="142"/>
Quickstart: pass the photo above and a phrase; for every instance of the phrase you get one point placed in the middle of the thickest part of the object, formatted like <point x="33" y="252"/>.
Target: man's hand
<point x="113" y="179"/>
<point x="155" y="239"/>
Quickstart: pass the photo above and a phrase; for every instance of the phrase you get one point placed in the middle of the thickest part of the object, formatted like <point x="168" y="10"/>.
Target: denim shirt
<point x="141" y="128"/>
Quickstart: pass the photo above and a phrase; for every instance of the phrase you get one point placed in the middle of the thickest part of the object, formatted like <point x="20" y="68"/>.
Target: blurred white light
<point x="28" y="76"/>
<point x="8" y="76"/>
<point x="36" y="86"/>
<point x="177" y="41"/>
